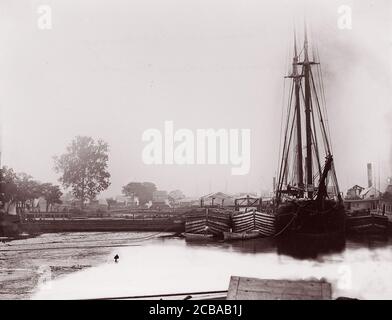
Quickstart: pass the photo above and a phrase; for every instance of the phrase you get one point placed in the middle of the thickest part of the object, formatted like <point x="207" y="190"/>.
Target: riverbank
<point x="81" y="265"/>
<point x="30" y="263"/>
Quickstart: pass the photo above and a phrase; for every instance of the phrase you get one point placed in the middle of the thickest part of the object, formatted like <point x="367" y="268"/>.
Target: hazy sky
<point x="112" y="69"/>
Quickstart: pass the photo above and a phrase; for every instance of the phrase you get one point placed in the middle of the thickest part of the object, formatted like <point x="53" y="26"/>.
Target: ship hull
<point x="197" y="236"/>
<point x="229" y="236"/>
<point x="306" y="218"/>
<point x="262" y="222"/>
<point x="369" y="224"/>
<point x="207" y="221"/>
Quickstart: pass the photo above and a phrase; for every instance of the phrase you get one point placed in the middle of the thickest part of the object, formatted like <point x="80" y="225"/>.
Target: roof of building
<point x="370" y="192"/>
<point x="217" y="195"/>
<point x="356" y="187"/>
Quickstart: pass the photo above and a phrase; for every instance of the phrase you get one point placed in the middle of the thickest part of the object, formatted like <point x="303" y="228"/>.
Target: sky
<point x="111" y="69"/>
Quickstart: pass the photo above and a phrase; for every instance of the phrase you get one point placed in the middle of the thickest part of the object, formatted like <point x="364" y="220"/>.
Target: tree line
<point x="22" y="190"/>
<point x="83" y="169"/>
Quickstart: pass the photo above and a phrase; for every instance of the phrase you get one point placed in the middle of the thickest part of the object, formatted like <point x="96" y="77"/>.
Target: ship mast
<point x="297" y="88"/>
<point x="304" y="97"/>
<point x="308" y="110"/>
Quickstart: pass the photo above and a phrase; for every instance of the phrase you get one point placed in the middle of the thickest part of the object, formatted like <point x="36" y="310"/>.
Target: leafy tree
<point x="27" y="190"/>
<point x="84" y="168"/>
<point x="8" y="188"/>
<point x="51" y="194"/>
<point x="143" y="190"/>
<point x="175" y="195"/>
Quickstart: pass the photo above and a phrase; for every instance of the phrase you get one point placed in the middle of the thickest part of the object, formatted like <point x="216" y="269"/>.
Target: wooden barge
<point x="367" y="224"/>
<point x="251" y="221"/>
<point x="102" y="224"/>
<point x="206" y="223"/>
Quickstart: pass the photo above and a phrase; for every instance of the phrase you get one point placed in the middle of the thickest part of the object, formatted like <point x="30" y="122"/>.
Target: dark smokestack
<point x="370" y="174"/>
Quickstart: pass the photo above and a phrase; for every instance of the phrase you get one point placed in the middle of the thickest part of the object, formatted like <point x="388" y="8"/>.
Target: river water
<point x="81" y="265"/>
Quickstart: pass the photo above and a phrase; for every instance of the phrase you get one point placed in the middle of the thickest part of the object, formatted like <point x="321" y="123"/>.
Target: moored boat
<point x="207" y="220"/>
<point x="307" y="197"/>
<point x="198" y="236"/>
<point x="227" y="236"/>
<point x="262" y="222"/>
<point x="369" y="224"/>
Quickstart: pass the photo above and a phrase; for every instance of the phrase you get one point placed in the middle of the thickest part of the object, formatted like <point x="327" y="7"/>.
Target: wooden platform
<point x="241" y="288"/>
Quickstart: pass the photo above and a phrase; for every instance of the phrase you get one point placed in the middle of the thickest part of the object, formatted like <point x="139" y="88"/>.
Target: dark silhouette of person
<point x="116" y="257"/>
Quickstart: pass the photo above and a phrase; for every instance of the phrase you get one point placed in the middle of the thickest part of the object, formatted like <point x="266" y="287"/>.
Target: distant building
<point x="386" y="202"/>
<point x="189" y="202"/>
<point x="217" y="199"/>
<point x="361" y="205"/>
<point x="354" y="192"/>
<point x="160" y="196"/>
<point x="160" y="200"/>
<point x="97" y="204"/>
<point x="125" y="201"/>
<point x="362" y="199"/>
<point x="251" y="194"/>
<point x="159" y="206"/>
<point x="370" y="193"/>
<point x="40" y="204"/>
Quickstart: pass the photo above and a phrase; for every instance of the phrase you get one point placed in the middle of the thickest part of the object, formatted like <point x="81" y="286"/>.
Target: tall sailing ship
<point x="307" y="197"/>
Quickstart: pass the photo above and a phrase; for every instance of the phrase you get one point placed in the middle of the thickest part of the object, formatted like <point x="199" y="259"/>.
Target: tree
<point x="51" y="194"/>
<point x="143" y="190"/>
<point x="8" y="188"/>
<point x="27" y="190"/>
<point x="174" y="196"/>
<point x="84" y="168"/>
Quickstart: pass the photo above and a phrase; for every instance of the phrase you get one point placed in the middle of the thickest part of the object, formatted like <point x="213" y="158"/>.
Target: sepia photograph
<point x="195" y="150"/>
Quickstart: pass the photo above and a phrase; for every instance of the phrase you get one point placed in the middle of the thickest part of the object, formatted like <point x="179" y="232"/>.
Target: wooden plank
<point x="233" y="288"/>
<point x="242" y="288"/>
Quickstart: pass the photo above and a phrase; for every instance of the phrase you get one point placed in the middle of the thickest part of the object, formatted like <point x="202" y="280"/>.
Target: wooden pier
<point x="241" y="288"/>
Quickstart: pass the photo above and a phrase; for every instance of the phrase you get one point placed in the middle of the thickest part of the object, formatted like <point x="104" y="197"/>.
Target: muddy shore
<point x="26" y="264"/>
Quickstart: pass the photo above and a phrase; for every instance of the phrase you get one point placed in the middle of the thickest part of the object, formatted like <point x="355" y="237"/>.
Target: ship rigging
<point x="307" y="191"/>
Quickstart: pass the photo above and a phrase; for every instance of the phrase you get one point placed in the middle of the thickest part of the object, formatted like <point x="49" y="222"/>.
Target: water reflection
<point x="358" y="267"/>
<point x="310" y="248"/>
<point x="299" y="248"/>
<point x="369" y="241"/>
<point x="262" y="245"/>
